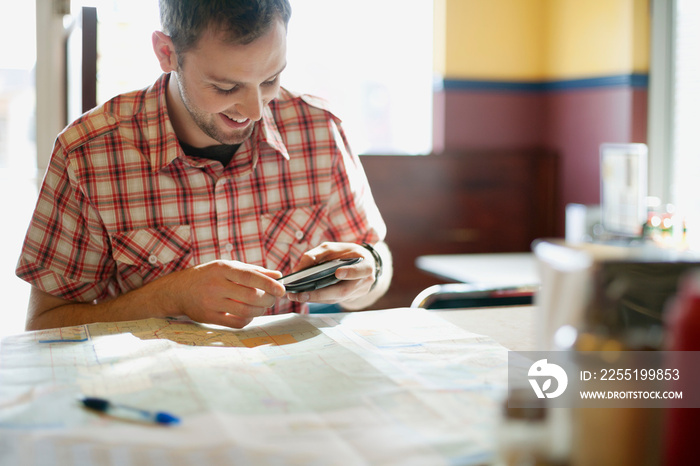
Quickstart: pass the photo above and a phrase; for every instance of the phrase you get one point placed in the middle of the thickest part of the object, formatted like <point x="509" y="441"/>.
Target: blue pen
<point x="128" y="412"/>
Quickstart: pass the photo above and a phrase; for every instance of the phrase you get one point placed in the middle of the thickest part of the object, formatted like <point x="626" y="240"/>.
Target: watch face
<point x="316" y="276"/>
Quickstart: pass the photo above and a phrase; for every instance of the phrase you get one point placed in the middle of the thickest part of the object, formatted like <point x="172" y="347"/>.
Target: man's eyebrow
<point x="220" y="80"/>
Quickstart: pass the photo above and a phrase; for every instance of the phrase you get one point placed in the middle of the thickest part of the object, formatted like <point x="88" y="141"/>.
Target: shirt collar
<point x="163" y="143"/>
<point x="269" y="133"/>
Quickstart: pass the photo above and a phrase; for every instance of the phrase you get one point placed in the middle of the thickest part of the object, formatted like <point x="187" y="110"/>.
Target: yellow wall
<point x="439" y="28"/>
<point x="492" y="39"/>
<point x="642" y="37"/>
<point x="597" y="38"/>
<point x="534" y="40"/>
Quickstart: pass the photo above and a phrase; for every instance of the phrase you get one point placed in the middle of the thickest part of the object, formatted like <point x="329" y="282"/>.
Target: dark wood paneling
<point x="80" y="64"/>
<point x="89" y="66"/>
<point x="470" y="202"/>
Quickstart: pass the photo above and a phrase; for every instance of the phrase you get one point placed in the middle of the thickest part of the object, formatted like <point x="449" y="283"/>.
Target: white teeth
<point x="242" y="120"/>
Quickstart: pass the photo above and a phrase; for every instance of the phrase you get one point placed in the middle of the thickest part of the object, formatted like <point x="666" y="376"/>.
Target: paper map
<point x="380" y="387"/>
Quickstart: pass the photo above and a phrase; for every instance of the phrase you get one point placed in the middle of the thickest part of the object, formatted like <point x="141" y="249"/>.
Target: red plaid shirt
<point x="121" y="204"/>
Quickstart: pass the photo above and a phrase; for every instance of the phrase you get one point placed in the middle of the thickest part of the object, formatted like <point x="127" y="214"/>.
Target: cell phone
<point x="317" y="276"/>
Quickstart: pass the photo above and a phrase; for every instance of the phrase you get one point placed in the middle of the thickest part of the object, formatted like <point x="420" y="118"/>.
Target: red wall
<point x="573" y="122"/>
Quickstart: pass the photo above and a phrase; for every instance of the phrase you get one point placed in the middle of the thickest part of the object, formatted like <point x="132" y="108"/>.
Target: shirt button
<point x="299" y="235"/>
<point x="153" y="259"/>
<point x="228" y="247"/>
<point x="111" y="120"/>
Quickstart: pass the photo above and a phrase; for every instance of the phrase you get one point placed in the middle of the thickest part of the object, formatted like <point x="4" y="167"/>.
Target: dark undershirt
<point x="222" y="153"/>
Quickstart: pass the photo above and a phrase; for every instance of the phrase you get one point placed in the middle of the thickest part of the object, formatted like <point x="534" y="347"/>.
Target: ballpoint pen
<point x="128" y="412"/>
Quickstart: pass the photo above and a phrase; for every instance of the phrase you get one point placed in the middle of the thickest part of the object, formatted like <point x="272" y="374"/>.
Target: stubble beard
<point x="207" y="122"/>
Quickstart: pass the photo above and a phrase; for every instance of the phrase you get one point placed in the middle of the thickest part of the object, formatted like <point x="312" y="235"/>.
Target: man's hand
<point x="225" y="293"/>
<point x="356" y="280"/>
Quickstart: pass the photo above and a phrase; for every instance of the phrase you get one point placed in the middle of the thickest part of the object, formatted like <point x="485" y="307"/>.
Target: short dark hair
<point x="242" y="21"/>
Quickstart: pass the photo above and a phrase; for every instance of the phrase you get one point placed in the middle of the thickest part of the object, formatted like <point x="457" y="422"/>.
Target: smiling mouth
<point x="235" y="122"/>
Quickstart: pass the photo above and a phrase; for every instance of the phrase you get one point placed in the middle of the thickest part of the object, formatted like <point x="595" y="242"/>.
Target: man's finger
<point x="253" y="277"/>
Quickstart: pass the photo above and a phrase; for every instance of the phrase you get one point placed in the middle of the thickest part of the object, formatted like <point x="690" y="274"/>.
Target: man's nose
<point x="251" y="106"/>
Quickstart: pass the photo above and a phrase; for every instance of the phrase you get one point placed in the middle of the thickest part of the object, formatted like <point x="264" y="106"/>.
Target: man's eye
<point x="226" y="91"/>
<point x="271" y="82"/>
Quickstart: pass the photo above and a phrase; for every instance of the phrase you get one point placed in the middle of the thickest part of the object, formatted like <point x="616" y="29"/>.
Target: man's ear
<point x="165" y="51"/>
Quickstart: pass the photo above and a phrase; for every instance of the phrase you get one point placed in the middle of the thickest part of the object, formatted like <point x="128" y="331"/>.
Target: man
<point x="192" y="197"/>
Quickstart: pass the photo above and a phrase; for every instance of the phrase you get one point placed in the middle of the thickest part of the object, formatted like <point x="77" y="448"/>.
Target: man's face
<point x="222" y="88"/>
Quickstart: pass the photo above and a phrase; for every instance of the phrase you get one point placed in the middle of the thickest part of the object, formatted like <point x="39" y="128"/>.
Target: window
<point x="685" y="144"/>
<point x="125" y="58"/>
<point x="17" y="95"/>
<point x="373" y="60"/>
<point x="17" y="152"/>
<point x="674" y="109"/>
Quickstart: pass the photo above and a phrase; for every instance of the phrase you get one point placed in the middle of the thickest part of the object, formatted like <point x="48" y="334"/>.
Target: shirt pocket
<point x="150" y="253"/>
<point x="291" y="232"/>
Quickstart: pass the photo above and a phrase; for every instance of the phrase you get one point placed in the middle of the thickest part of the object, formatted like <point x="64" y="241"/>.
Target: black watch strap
<point x="377" y="262"/>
